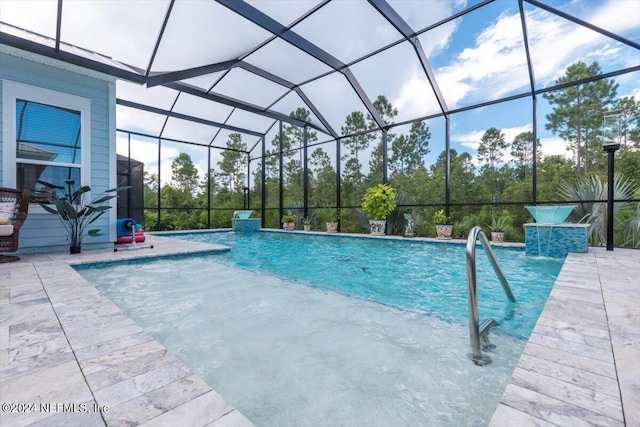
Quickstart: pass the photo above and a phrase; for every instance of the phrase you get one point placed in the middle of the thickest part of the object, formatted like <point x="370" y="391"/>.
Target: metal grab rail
<point x="480" y="332"/>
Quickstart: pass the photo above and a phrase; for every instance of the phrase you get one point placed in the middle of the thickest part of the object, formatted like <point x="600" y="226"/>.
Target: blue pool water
<point x="428" y="277"/>
<point x="305" y="330"/>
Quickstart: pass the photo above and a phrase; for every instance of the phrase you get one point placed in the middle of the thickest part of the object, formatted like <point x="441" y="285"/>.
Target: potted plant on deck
<point x="73" y="213"/>
<point x="497" y="228"/>
<point x="289" y="222"/>
<point x="331" y="217"/>
<point x="444" y="228"/>
<point x="379" y="201"/>
<point x="306" y="223"/>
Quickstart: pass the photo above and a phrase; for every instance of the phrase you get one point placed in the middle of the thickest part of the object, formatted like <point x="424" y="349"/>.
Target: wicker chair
<point x="10" y="243"/>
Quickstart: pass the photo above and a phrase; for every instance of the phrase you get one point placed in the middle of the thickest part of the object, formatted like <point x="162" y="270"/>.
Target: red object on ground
<point x="127" y="239"/>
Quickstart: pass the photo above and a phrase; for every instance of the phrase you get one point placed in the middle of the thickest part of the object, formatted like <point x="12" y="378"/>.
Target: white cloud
<point x="469" y="139"/>
<point x="548" y="146"/>
<point x="147" y="152"/>
<point x="416" y="97"/>
<point x="554" y="147"/>
<point x="556" y="43"/>
<point x="617" y="15"/>
<point x="472" y="139"/>
<point x="496" y="61"/>
<point x="495" y="64"/>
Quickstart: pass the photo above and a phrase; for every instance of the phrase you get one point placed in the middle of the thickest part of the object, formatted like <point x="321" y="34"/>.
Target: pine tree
<point x="353" y="146"/>
<point x="629" y="110"/>
<point x="577" y="116"/>
<point x="408" y="151"/>
<point x="185" y="174"/>
<point x="234" y="162"/>
<point x="522" y="151"/>
<point x="388" y="113"/>
<point x="491" y="147"/>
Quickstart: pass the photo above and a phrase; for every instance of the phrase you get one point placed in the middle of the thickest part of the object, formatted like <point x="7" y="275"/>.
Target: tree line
<point x="481" y="187"/>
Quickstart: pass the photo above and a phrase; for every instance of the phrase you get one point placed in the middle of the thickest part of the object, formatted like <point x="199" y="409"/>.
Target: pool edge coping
<point x="595" y="294"/>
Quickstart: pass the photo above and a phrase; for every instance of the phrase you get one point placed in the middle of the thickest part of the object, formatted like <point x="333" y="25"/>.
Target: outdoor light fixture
<point x="245" y="197"/>
<point x="610" y="143"/>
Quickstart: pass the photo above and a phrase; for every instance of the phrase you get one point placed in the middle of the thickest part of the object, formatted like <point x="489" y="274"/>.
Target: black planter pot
<point x="74" y="249"/>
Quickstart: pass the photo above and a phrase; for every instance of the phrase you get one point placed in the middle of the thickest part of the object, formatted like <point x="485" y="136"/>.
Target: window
<point x="46" y="136"/>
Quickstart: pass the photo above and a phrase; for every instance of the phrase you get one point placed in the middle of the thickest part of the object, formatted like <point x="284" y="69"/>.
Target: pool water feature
<point x="550" y="236"/>
<point x="550" y="214"/>
<point x="291" y="351"/>
<point x="242" y="214"/>
<point x="242" y="222"/>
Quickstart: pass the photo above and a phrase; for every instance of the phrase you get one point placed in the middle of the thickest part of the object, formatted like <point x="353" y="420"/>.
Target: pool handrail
<point x="479" y="332"/>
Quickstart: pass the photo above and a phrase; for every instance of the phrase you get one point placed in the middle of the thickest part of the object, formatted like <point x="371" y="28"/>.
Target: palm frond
<point x="591" y="212"/>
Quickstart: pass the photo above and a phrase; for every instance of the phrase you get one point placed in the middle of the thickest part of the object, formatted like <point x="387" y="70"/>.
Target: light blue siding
<point x="43" y="232"/>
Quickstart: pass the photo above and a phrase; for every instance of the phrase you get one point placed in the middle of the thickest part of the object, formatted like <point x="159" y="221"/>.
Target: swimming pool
<point x="425" y="277"/>
<point x="286" y="345"/>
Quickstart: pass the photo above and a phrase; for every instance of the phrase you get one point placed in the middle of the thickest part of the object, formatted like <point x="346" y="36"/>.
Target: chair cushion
<point x="7" y="210"/>
<point x="6" y="230"/>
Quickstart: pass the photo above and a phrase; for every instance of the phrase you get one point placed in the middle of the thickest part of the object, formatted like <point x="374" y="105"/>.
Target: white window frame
<point x="11" y="93"/>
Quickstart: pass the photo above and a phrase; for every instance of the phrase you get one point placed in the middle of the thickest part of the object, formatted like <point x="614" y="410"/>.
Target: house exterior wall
<point x="43" y="232"/>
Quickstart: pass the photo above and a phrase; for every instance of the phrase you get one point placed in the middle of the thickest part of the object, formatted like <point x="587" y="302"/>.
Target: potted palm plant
<point x="306" y="223"/>
<point x="497" y="228"/>
<point x="74" y="214"/>
<point x="379" y="201"/>
<point x="444" y="228"/>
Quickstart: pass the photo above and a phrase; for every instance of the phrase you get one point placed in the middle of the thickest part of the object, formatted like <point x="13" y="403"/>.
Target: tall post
<point x="447" y="170"/>
<point x="384" y="156"/>
<point x="338" y="179"/>
<point x="263" y="185"/>
<point x="534" y="158"/>
<point x="129" y="199"/>
<point x="159" y="163"/>
<point x="610" y="148"/>
<point x="280" y="176"/>
<point x="248" y="181"/>
<point x="611" y="137"/>
<point x="209" y="188"/>
<point x="305" y="171"/>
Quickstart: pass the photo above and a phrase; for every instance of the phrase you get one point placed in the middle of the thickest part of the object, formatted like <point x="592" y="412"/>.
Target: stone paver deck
<point x="581" y="366"/>
<point x="70" y="357"/>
